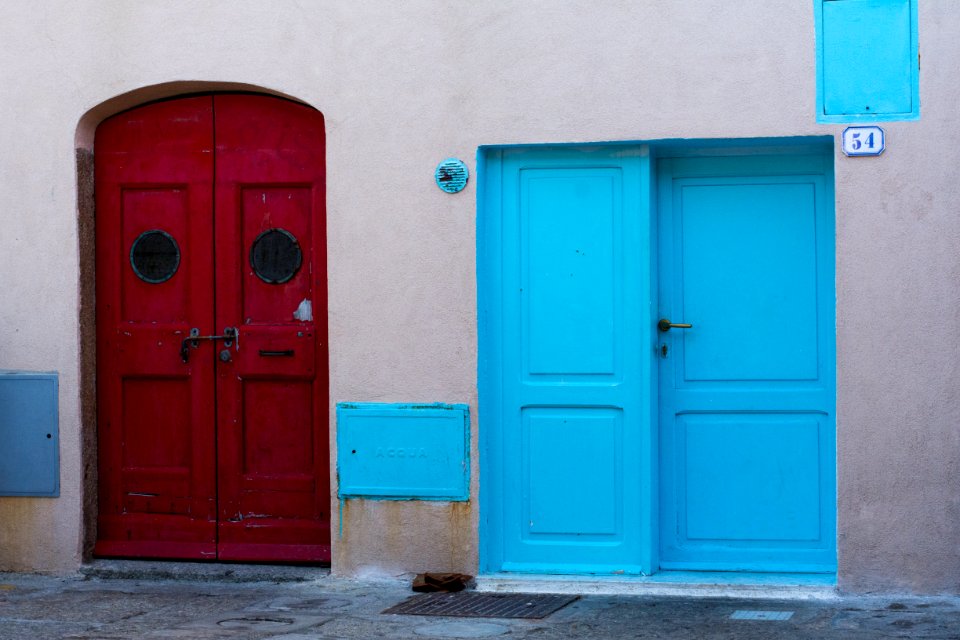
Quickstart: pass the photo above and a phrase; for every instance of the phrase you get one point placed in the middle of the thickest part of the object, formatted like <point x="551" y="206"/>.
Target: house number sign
<point x="863" y="141"/>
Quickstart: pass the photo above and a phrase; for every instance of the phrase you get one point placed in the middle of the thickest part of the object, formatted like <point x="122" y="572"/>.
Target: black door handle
<point x="229" y="335"/>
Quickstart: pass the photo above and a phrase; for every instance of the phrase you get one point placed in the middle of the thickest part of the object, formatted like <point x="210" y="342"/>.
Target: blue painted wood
<point x="743" y="267"/>
<point x="747" y="396"/>
<point x="568" y="269"/>
<point x="489" y="266"/>
<point x="771" y="494"/>
<point x="569" y="470"/>
<point x="565" y="360"/>
<point x="403" y="451"/>
<point x="29" y="434"/>
<point x="573" y="458"/>
<point x="867" y="60"/>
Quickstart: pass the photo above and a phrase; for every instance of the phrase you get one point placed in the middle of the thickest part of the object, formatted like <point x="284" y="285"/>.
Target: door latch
<point x="665" y="325"/>
<point x="193" y="341"/>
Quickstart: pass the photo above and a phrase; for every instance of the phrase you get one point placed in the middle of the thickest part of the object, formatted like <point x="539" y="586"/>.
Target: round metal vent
<point x="275" y="256"/>
<point x="155" y="256"/>
<point x="452" y="175"/>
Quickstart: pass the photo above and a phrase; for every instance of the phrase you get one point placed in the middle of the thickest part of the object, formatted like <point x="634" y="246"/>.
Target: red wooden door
<point x="210" y="214"/>
<point x="273" y="480"/>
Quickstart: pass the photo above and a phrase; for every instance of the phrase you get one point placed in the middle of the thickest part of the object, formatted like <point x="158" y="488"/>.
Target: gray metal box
<point x="29" y="434"/>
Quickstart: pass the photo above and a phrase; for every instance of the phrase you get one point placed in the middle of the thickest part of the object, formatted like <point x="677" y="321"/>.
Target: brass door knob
<point x="665" y="325"/>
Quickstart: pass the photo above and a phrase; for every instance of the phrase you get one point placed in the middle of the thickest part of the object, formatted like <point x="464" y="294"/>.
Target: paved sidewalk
<point x="292" y="603"/>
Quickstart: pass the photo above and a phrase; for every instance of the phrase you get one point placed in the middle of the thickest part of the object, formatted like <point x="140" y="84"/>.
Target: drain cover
<point x="461" y="630"/>
<point x="761" y="615"/>
<point x="482" y="605"/>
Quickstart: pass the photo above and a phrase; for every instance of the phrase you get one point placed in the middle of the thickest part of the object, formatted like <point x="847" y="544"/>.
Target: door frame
<point x="489" y="316"/>
<point x="83" y="140"/>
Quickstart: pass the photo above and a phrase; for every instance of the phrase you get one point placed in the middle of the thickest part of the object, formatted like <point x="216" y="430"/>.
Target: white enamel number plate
<point x="863" y="141"/>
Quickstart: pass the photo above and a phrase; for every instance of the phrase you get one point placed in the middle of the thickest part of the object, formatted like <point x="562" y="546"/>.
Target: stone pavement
<point x="180" y="600"/>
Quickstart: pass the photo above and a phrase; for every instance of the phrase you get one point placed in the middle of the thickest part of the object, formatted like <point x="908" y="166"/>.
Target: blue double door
<point x="615" y="443"/>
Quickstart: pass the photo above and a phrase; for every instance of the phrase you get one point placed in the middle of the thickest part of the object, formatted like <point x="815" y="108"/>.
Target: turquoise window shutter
<point x="867" y="60"/>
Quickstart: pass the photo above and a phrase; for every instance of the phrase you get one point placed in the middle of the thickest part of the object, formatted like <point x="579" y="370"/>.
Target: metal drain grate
<point x="469" y="604"/>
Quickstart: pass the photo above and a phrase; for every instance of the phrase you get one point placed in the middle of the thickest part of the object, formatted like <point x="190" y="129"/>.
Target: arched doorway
<point x="212" y="387"/>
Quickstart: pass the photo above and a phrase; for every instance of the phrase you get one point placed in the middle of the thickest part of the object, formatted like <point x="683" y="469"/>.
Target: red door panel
<point x="154" y="172"/>
<point x="273" y="448"/>
<point x="224" y="455"/>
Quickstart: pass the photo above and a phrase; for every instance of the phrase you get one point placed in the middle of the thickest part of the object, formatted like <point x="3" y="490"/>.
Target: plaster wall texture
<point x="403" y="85"/>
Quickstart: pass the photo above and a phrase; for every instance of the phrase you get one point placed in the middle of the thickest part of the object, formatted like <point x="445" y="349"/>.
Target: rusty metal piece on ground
<point x="483" y="605"/>
<point x="429" y="582"/>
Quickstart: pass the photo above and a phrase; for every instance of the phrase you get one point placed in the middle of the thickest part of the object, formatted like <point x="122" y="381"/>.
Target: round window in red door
<point x="275" y="256"/>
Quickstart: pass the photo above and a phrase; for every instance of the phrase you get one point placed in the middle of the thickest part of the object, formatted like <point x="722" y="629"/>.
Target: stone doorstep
<point x="109" y="569"/>
<point x="642" y="586"/>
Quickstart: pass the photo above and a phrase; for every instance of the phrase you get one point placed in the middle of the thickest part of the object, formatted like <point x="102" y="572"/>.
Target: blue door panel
<point x="572" y="464"/>
<point x="567" y="258"/>
<point x="766" y="486"/>
<point x="743" y="268"/>
<point x="747" y="395"/>
<point x="573" y="456"/>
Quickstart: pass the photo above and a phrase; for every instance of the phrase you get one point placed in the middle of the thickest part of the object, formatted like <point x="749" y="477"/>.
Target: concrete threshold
<point x="678" y="583"/>
<point x="110" y="569"/>
<point x="686" y="584"/>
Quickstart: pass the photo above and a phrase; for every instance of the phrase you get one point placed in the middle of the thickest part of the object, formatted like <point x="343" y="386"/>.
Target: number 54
<point x="857" y="143"/>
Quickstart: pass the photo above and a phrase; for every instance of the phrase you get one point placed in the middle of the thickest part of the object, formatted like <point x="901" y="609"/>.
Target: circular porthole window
<point x="275" y="256"/>
<point x="155" y="256"/>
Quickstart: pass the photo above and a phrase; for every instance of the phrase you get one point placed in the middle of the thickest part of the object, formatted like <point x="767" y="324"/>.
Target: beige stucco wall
<point x="403" y="85"/>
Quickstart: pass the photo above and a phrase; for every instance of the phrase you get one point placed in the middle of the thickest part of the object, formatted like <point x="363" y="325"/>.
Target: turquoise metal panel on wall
<point x="867" y="60"/>
<point x="403" y="451"/>
<point x="29" y="434"/>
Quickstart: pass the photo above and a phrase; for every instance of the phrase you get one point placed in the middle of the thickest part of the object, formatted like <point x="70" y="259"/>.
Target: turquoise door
<point x="747" y="393"/>
<point x="568" y="369"/>
<point x="609" y="446"/>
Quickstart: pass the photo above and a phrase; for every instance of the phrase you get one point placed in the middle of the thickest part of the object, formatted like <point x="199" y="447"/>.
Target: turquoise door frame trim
<point x="490" y="305"/>
<point x="489" y="377"/>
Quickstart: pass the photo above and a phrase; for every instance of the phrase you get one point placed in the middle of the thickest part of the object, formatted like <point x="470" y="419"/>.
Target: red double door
<point x="211" y="331"/>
